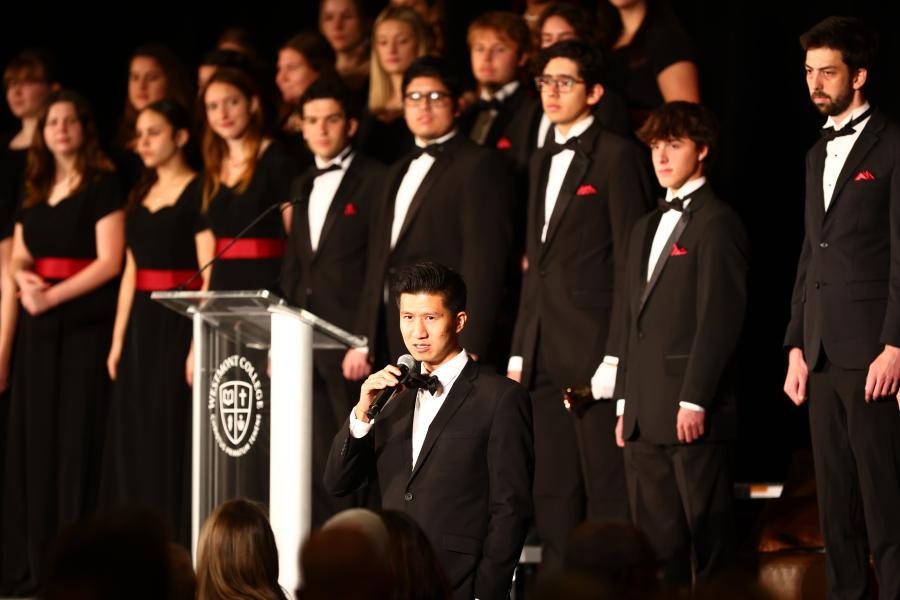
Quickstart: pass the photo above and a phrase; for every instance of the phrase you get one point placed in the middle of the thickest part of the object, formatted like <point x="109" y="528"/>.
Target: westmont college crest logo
<point x="235" y="405"/>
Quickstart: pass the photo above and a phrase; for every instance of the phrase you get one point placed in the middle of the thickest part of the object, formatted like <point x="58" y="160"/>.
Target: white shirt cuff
<point x="363" y="349"/>
<point x="611" y="360"/>
<point x="620" y="407"/>
<point x="692" y="406"/>
<point x="358" y="429"/>
<point x="515" y="364"/>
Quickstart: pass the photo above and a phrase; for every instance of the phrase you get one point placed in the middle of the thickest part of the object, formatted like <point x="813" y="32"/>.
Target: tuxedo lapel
<point x="818" y="172"/>
<point x="868" y="137"/>
<point x="441" y="163"/>
<point x="578" y="168"/>
<point x="302" y="208"/>
<point x="697" y="201"/>
<point x="576" y="172"/>
<point x="349" y="183"/>
<point x="458" y="394"/>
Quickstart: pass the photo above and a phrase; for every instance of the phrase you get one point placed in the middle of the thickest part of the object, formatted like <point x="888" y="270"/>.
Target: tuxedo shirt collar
<point x="576" y="129"/>
<point x="343" y="159"/>
<point x="448" y="372"/>
<point x="686" y="190"/>
<point x="831" y="122"/>
<point x="502" y="94"/>
<point x="444" y="138"/>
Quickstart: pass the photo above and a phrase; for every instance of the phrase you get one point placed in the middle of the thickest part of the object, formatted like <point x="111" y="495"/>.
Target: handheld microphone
<point x="406" y="364"/>
<point x="240" y="235"/>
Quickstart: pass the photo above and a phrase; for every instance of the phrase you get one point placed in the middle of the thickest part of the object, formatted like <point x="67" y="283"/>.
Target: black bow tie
<point x="830" y="133"/>
<point x="555" y="148"/>
<point x="431" y="383"/>
<point x="431" y="150"/>
<point x="328" y="169"/>
<point x="492" y="104"/>
<point x="673" y="204"/>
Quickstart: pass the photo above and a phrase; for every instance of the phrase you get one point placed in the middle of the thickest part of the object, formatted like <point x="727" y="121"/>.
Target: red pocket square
<point x="349" y="209"/>
<point x="677" y="250"/>
<point x="586" y="190"/>
<point x="504" y="143"/>
<point x="864" y="176"/>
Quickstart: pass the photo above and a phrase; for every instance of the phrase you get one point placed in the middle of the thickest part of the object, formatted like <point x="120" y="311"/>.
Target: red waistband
<point x="50" y="267"/>
<point x="251" y="248"/>
<point x="157" y="280"/>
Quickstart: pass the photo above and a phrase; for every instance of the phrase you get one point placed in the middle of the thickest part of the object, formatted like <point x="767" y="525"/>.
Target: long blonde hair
<point x="380" y="89"/>
<point x="236" y="554"/>
<point x="214" y="147"/>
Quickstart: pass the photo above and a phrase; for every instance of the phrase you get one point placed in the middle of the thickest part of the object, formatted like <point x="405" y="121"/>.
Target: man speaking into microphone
<point x="456" y="454"/>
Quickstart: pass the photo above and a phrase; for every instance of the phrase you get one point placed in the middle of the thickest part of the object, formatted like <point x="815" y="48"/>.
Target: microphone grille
<point x="407" y="361"/>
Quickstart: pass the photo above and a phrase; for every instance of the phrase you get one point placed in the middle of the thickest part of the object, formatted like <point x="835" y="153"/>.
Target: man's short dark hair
<point x="431" y="278"/>
<point x="332" y="89"/>
<point x="437" y="68"/>
<point x="589" y="60"/>
<point x="852" y="37"/>
<point x="682" y="119"/>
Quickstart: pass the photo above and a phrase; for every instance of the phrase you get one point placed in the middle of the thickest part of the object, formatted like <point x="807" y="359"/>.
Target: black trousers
<point x="333" y="399"/>
<point x="856" y="450"/>
<point x="579" y="472"/>
<point x="681" y="498"/>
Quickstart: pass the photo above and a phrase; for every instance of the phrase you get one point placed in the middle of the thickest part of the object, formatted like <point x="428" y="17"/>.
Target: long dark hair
<point x="417" y="574"/>
<point x="178" y="118"/>
<point x="215" y="148"/>
<point x="178" y="86"/>
<point x="40" y="170"/>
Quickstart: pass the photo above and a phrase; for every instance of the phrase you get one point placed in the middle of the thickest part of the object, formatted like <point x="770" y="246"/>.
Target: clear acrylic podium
<point x="252" y="434"/>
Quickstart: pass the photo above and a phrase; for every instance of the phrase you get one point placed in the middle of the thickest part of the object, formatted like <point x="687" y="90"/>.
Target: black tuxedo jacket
<point x="519" y="137"/>
<point x="683" y="324"/>
<point x="327" y="281"/>
<point x="460" y="217"/>
<point x="500" y="127"/>
<point x="847" y="293"/>
<point x="573" y="282"/>
<point x="470" y="489"/>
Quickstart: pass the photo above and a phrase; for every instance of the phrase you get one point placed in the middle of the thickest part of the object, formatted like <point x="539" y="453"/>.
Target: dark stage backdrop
<point x="751" y="75"/>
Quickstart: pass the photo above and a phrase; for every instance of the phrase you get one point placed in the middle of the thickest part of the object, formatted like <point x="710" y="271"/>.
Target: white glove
<point x="603" y="383"/>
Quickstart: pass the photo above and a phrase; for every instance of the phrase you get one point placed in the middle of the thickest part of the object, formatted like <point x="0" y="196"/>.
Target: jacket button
<point x="816" y="285"/>
<point x="823" y="245"/>
<point x="408" y="496"/>
<point x="640" y="335"/>
<point x="543" y="272"/>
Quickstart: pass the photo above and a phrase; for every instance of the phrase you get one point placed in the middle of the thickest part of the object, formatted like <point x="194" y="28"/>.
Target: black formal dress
<point x="565" y="326"/>
<point x="844" y="309"/>
<point x="659" y="43"/>
<point x="459" y="216"/>
<point x="147" y="455"/>
<point x="682" y="329"/>
<point x="470" y="488"/>
<point x="60" y="387"/>
<point x="254" y="262"/>
<point x="327" y="282"/>
<point x="12" y="168"/>
<point x="385" y="141"/>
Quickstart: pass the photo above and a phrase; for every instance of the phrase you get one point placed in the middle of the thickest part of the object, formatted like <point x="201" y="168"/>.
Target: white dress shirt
<point x="669" y="220"/>
<point x="837" y="150"/>
<point x="559" y="166"/>
<point x="427" y="405"/>
<point x="543" y="128"/>
<point x="412" y="180"/>
<point x="325" y="186"/>
<point x="665" y="228"/>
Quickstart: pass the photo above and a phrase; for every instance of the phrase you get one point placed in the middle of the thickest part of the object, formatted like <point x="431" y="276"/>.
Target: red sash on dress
<point x="157" y="280"/>
<point x="251" y="248"/>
